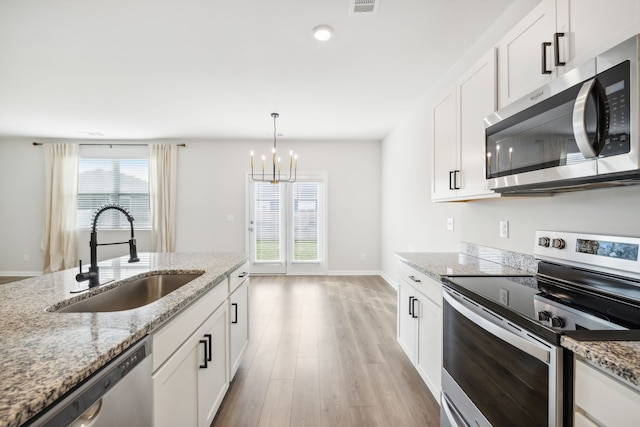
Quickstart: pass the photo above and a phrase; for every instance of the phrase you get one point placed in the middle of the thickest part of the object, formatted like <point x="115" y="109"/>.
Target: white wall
<point x="211" y="185"/>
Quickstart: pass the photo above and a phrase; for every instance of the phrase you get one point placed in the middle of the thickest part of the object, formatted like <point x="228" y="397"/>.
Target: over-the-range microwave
<point x="579" y="131"/>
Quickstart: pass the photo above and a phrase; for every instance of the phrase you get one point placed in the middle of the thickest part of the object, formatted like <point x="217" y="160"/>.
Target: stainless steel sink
<point x="134" y="294"/>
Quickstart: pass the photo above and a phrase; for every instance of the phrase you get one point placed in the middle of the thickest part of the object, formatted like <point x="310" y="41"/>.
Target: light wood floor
<point x="323" y="352"/>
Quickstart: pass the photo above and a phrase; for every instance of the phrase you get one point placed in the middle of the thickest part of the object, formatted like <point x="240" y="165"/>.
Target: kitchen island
<point x="45" y="354"/>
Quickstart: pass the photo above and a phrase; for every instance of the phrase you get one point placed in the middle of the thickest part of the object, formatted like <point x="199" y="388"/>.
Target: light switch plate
<point x="450" y="224"/>
<point x="504" y="229"/>
<point x="504" y="296"/>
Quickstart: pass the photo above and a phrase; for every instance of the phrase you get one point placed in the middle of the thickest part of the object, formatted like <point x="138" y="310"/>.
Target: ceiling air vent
<point x="360" y="7"/>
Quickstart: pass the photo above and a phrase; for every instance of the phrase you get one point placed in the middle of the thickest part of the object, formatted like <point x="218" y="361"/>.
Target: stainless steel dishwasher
<point x="120" y="394"/>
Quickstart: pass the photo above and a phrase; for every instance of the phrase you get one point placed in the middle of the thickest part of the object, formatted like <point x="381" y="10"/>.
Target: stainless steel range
<point x="502" y="359"/>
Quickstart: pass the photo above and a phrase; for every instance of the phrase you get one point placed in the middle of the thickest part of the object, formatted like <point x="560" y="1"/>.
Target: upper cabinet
<point x="557" y="36"/>
<point x="529" y="54"/>
<point x="458" y="133"/>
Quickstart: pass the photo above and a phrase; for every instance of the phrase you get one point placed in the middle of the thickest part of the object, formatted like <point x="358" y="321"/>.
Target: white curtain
<point x="61" y="195"/>
<point x="163" y="160"/>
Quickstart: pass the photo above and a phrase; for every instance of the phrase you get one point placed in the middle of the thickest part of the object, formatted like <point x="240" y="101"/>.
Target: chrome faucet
<point x="93" y="274"/>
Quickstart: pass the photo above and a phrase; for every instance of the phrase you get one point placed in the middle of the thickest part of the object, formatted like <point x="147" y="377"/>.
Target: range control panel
<point x="615" y="254"/>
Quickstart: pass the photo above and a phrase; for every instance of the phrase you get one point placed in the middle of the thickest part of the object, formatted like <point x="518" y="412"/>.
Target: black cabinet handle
<point x="455" y="179"/>
<point x="235" y="306"/>
<point x="450" y="180"/>
<point x="545" y="45"/>
<point x="208" y="336"/>
<point x="243" y="274"/>
<point x="413" y="309"/>
<point x="411" y="306"/>
<point x="204" y="366"/>
<point x="556" y="41"/>
<point x="414" y="279"/>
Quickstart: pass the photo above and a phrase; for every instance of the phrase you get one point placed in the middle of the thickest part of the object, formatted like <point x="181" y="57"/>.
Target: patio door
<point x="286" y="232"/>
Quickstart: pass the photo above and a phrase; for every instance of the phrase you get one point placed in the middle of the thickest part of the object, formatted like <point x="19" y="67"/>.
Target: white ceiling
<point x="144" y="69"/>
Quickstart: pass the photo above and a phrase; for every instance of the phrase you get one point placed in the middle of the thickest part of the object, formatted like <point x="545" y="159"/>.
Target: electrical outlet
<point x="363" y="257"/>
<point x="504" y="229"/>
<point x="230" y="218"/>
<point x="504" y="296"/>
<point x="25" y="257"/>
<point x="450" y="224"/>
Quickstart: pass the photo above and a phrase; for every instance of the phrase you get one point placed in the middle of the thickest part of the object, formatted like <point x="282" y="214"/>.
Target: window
<point x="305" y="216"/>
<point x="121" y="181"/>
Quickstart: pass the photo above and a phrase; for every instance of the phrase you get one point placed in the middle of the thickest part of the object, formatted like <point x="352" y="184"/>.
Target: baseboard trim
<point x="389" y="281"/>
<point x="355" y="273"/>
<point x="20" y="273"/>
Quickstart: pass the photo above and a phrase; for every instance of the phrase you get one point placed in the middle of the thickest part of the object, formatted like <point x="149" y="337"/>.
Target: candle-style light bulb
<point x="251" y="154"/>
<point x="263" y="159"/>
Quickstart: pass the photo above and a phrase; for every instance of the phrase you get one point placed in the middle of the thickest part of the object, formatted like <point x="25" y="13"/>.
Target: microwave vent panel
<point x="363" y="7"/>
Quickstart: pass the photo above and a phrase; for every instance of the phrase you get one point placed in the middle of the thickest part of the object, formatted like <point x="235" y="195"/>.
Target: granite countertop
<point x="616" y="352"/>
<point x="45" y="354"/>
<point x="439" y="264"/>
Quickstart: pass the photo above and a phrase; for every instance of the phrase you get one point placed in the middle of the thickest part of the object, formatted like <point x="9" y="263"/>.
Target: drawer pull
<point x="414" y="279"/>
<point x="243" y="274"/>
<point x="411" y="306"/>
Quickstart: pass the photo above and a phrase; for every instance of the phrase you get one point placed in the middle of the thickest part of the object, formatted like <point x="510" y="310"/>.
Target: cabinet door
<point x="588" y="33"/>
<point x="520" y="54"/>
<point x="477" y="95"/>
<point x="407" y="324"/>
<point x="429" y="361"/>
<point x="238" y="326"/>
<point x="445" y="154"/>
<point x="212" y="379"/>
<point x="175" y="391"/>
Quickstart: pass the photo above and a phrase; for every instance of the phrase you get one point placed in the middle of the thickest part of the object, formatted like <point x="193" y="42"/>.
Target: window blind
<point x="267" y="222"/>
<point x="121" y="181"/>
<point x="306" y="233"/>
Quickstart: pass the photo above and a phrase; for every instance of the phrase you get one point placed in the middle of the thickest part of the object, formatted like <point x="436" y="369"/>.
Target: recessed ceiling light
<point x="322" y="32"/>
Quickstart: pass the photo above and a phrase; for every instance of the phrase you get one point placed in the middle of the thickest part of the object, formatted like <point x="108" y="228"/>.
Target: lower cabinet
<point x="189" y="387"/>
<point x="420" y="324"/>
<point x="602" y="400"/>
<point x="238" y="325"/>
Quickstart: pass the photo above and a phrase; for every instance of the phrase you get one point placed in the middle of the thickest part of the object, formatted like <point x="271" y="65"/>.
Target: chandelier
<point x="276" y="175"/>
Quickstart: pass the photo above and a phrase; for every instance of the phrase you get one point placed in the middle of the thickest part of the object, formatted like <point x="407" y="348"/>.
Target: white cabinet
<point x="429" y="357"/>
<point x="238" y="319"/>
<point x="602" y="400"/>
<point x="196" y="353"/>
<point x="526" y="54"/>
<point x="407" y="324"/>
<point x="557" y="36"/>
<point x="420" y="324"/>
<point x="589" y="33"/>
<point x="190" y="385"/>
<point x="458" y="133"/>
<point x="445" y="147"/>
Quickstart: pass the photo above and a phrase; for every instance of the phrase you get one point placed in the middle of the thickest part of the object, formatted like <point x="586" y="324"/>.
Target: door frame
<point x="294" y="268"/>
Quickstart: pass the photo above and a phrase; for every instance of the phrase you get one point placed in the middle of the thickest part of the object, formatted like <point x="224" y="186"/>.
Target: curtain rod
<point x="111" y="145"/>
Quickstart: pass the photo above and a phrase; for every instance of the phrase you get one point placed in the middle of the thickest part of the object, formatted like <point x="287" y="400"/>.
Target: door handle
<point x="208" y="336"/>
<point x="451" y="180"/>
<point x="250" y="228"/>
<point x="413" y="311"/>
<point x="556" y="42"/>
<point x="545" y="45"/>
<point x="411" y="306"/>
<point x="204" y="365"/>
<point x="588" y="148"/>
<point x="235" y="306"/>
<point x="455" y="179"/>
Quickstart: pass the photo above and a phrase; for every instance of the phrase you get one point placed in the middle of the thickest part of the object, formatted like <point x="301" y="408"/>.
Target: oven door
<point x="495" y="373"/>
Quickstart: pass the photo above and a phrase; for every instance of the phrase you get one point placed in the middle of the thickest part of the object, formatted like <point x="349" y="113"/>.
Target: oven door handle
<point x="534" y="349"/>
<point x="455" y="419"/>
